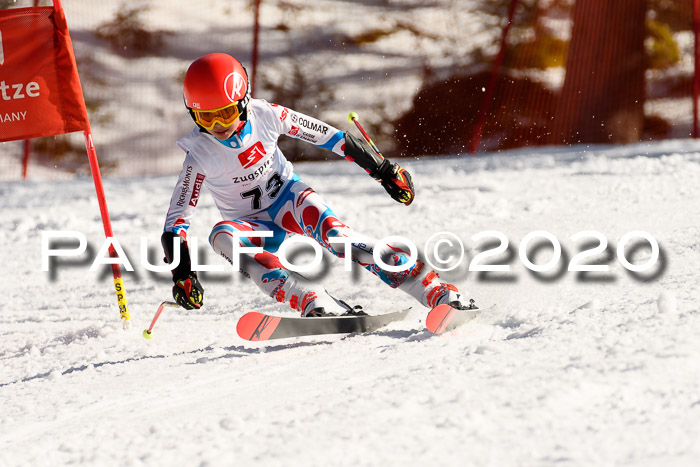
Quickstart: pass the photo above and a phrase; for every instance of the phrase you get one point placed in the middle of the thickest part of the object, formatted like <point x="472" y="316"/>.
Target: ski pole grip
<point x="354" y="118"/>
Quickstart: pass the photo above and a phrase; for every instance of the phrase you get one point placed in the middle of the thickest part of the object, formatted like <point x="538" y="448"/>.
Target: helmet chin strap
<point x="240" y="127"/>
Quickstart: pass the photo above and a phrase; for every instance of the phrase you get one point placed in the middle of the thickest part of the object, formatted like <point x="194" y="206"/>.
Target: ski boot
<point x="320" y="312"/>
<point x="451" y="296"/>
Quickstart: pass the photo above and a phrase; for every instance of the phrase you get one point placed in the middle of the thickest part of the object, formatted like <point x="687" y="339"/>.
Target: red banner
<point x="40" y="92"/>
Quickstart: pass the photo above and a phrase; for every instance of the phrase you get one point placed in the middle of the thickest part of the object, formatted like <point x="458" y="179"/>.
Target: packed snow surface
<point x="562" y="367"/>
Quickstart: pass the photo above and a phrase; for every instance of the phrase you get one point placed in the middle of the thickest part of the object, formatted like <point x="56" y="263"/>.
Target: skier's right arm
<point x="187" y="291"/>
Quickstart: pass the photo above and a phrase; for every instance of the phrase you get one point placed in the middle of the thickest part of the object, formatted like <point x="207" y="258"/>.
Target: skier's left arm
<point x="395" y="179"/>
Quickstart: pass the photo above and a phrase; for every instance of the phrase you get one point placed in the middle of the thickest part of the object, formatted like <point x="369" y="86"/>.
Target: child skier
<point x="233" y="152"/>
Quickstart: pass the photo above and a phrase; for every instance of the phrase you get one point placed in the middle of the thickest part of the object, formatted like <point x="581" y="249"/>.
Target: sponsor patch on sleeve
<point x="196" y="189"/>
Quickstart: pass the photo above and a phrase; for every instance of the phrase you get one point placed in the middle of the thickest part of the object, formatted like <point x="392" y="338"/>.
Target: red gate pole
<point x="256" y="34"/>
<point x="25" y="158"/>
<point x="486" y="102"/>
<point x="107" y="224"/>
<point x="696" y="77"/>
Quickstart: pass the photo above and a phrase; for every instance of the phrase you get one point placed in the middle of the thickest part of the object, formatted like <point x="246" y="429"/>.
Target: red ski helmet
<point x="216" y="81"/>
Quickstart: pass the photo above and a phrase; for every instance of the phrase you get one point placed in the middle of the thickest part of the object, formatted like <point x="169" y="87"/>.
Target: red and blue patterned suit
<point x="255" y="189"/>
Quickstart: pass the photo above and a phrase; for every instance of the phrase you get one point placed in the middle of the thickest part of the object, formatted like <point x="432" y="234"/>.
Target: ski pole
<point x="407" y="198"/>
<point x="147" y="333"/>
<point x="354" y="118"/>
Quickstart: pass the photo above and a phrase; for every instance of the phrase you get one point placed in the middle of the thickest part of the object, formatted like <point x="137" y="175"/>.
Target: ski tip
<point x="254" y="326"/>
<point x="439" y="318"/>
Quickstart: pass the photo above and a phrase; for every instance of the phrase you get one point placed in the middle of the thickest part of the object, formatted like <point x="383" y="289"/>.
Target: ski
<point x="254" y="326"/>
<point x="445" y="318"/>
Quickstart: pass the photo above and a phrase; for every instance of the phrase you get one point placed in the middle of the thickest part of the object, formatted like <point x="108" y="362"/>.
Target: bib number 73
<point x="272" y="188"/>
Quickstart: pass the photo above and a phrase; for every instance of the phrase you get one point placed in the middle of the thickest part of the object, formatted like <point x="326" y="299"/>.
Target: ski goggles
<point x="225" y="116"/>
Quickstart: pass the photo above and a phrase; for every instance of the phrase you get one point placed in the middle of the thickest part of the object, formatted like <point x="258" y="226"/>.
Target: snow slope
<point x="561" y="369"/>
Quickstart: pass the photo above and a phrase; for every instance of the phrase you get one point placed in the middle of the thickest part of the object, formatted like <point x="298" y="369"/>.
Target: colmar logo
<point x="234" y="86"/>
<point x="252" y="155"/>
<point x="313" y="125"/>
<point x="294" y="130"/>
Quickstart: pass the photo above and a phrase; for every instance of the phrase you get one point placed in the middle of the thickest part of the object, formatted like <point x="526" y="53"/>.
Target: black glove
<point x="396" y="181"/>
<point x="188" y="293"/>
